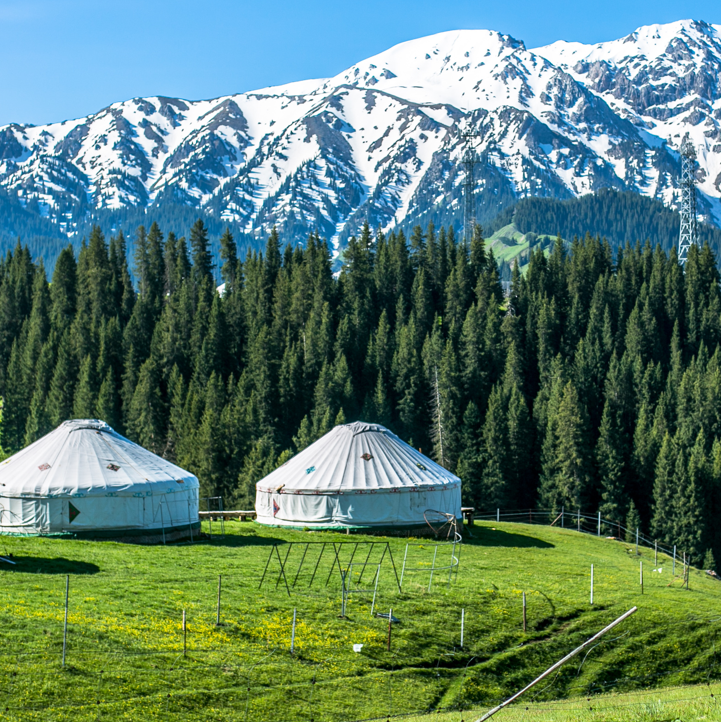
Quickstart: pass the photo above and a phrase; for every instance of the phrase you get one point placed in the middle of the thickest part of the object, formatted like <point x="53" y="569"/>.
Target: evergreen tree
<point x="38" y="422"/>
<point x="210" y="462"/>
<point x="146" y="415"/>
<point x="709" y="562"/>
<point x="377" y="408"/>
<point x="259" y="462"/>
<point x="123" y="294"/>
<point x="304" y="437"/>
<point x="62" y="387"/>
<point x="95" y="279"/>
<point x="689" y="527"/>
<point x="176" y="429"/>
<point x="633" y="522"/>
<point x="572" y="455"/>
<point x="470" y="463"/>
<point x="495" y="493"/>
<point x="85" y="393"/>
<point x="664" y="490"/>
<point x="156" y="269"/>
<point x="108" y="403"/>
<point x="519" y="465"/>
<point x="229" y="255"/>
<point x="202" y="260"/>
<point x="63" y="290"/>
<point x="613" y="450"/>
<point x="16" y="396"/>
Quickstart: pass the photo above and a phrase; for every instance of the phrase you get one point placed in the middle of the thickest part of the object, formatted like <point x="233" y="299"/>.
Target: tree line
<point x="593" y="383"/>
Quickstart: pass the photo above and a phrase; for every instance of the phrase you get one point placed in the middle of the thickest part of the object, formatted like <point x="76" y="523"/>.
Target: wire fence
<point x="582" y="522"/>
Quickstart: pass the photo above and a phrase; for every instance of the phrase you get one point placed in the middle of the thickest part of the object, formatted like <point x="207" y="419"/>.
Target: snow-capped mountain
<point x="382" y="141"/>
<point x="665" y="80"/>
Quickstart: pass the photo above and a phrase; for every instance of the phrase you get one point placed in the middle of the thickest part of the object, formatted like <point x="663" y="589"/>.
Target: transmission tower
<point x="469" y="160"/>
<point x="689" y="224"/>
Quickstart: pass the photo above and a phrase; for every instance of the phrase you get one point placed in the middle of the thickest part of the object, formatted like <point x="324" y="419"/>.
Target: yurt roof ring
<point x="93" y="427"/>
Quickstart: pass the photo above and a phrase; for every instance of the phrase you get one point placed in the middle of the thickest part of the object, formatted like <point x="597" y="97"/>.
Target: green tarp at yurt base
<point x="360" y="476"/>
<point x="86" y="479"/>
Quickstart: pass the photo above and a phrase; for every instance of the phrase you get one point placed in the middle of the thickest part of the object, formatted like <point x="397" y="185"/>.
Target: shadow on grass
<point x="236" y="540"/>
<point x="487" y="537"/>
<point x="41" y="565"/>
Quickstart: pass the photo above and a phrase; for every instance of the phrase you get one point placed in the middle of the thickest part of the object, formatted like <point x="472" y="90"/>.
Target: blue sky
<point x="63" y="59"/>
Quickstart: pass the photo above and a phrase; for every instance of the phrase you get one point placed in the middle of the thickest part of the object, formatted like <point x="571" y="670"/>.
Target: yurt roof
<point x="357" y="457"/>
<point x="86" y="457"/>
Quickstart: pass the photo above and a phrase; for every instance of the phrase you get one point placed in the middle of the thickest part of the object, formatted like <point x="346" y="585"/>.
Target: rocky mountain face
<point x="383" y="141"/>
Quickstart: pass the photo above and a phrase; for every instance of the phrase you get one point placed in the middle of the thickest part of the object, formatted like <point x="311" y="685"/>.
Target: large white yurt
<point x="360" y="476"/>
<point x="86" y="479"/>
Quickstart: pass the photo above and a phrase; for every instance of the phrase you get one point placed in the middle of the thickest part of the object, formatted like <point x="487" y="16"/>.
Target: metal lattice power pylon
<point x="689" y="224"/>
<point x="469" y="160"/>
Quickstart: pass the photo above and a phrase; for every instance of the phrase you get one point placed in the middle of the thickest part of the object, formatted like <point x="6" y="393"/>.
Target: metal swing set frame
<point x="335" y="550"/>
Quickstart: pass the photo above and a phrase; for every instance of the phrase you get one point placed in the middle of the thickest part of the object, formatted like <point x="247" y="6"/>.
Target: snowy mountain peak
<point x="447" y="67"/>
<point x="683" y="40"/>
<point x="662" y="78"/>
<point x="381" y="141"/>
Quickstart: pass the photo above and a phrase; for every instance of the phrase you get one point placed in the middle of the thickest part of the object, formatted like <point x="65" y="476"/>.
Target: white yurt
<point x="360" y="476"/>
<point x="88" y="480"/>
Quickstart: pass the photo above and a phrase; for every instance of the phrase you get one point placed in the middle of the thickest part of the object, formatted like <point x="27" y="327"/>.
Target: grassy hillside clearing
<point x="508" y="243"/>
<point x="125" y="646"/>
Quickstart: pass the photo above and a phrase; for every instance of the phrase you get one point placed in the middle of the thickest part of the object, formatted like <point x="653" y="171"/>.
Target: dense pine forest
<point x="595" y="383"/>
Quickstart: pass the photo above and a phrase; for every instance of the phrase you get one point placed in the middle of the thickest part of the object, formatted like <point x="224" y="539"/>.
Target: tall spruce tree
<point x="470" y="463"/>
<point x="613" y="451"/>
<point x="689" y="529"/>
<point x="495" y="492"/>
<point x="202" y="259"/>
<point x="572" y="455"/>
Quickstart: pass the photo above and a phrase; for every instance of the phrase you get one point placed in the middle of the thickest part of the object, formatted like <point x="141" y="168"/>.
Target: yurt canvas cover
<point x="86" y="478"/>
<point x="357" y="475"/>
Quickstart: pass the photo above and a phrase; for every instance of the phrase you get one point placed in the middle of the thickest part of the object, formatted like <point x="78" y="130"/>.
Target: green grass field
<point x="125" y="644"/>
<point x="690" y="703"/>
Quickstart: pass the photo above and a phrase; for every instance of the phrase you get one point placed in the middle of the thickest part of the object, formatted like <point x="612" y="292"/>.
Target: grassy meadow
<point x="125" y="644"/>
<point x="691" y="704"/>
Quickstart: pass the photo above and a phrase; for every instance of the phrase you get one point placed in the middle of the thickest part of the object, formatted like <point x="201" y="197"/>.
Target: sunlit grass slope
<point x="690" y="703"/>
<point x="125" y="645"/>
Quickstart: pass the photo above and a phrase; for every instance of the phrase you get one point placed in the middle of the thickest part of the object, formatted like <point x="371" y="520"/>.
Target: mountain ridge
<point x="381" y="141"/>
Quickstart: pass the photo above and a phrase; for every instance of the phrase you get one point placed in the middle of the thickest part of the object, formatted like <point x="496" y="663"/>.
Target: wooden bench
<point x="468" y="512"/>
<point x="215" y="515"/>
